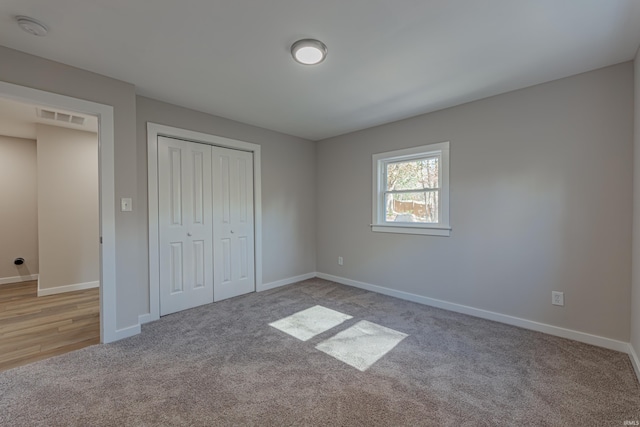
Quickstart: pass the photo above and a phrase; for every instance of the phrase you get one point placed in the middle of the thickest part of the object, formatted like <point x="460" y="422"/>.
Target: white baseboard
<point x="283" y="282"/>
<point x="485" y="314"/>
<point x="17" y="279"/>
<point x="67" y="288"/>
<point x="634" y="360"/>
<point x="146" y="318"/>
<point x="127" y="332"/>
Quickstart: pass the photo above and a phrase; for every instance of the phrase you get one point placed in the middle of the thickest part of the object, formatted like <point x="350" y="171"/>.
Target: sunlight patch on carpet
<point x="362" y="345"/>
<point x="308" y="323"/>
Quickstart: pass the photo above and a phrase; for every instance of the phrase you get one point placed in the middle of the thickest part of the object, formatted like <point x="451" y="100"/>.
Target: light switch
<point x="125" y="204"/>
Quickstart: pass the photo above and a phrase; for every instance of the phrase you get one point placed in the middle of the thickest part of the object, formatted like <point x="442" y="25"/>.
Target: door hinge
<point x="100" y="239"/>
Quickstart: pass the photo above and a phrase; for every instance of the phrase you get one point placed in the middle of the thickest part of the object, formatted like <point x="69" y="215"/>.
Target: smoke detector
<point x="32" y="26"/>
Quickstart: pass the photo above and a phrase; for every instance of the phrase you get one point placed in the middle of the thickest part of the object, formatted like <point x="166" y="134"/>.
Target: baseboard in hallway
<point x="67" y="288"/>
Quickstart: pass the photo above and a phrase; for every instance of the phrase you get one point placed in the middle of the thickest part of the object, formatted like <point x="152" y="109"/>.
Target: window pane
<point x="418" y="207"/>
<point x="413" y="174"/>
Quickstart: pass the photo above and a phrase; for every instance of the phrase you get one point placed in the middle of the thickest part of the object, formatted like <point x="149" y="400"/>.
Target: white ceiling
<point x="387" y="60"/>
<point x="19" y="119"/>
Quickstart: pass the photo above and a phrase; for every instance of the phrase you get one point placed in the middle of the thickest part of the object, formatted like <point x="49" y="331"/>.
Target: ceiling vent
<point x="60" y="117"/>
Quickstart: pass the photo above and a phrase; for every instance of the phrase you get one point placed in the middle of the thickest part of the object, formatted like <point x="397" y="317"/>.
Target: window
<point x="411" y="190"/>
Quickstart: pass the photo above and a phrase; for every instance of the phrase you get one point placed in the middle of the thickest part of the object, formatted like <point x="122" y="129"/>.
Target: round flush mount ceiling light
<point x="32" y="26"/>
<point x="309" y="51"/>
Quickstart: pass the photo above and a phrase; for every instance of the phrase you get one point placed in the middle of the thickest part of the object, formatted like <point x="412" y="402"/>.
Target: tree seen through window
<point x="412" y="190"/>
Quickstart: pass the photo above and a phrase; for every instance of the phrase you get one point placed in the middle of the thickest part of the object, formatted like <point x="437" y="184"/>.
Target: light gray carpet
<point x="222" y="364"/>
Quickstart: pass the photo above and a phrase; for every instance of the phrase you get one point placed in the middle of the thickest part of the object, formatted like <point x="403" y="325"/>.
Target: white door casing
<point x="233" y="223"/>
<point x="185" y="224"/>
<point x="109" y="331"/>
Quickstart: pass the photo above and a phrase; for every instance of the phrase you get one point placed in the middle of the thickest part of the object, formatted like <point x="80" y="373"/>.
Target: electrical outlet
<point x="557" y="298"/>
<point x="340" y="260"/>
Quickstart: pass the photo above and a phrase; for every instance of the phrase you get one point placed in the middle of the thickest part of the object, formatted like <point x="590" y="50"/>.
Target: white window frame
<point x="379" y="222"/>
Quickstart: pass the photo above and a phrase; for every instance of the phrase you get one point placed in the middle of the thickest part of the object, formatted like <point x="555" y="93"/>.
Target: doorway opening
<point x="106" y="192"/>
<point x="49" y="228"/>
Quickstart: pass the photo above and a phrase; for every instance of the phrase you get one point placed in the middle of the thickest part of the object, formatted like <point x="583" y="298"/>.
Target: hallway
<point x="34" y="328"/>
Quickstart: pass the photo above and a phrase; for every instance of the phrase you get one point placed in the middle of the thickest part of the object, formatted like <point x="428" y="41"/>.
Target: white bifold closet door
<point x="185" y="224"/>
<point x="233" y="224"/>
<point x="205" y="205"/>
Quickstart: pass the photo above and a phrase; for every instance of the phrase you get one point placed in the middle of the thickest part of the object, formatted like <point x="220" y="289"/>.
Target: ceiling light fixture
<point x="309" y="51"/>
<point x="32" y="26"/>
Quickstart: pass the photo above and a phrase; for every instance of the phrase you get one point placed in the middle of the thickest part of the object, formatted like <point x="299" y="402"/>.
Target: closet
<point x="205" y="223"/>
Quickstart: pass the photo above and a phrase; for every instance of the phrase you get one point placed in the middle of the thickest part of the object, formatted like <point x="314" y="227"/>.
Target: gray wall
<point x="19" y="212"/>
<point x="541" y="200"/>
<point x="541" y="197"/>
<point x="635" y="299"/>
<point x="288" y="187"/>
<point x="31" y="71"/>
<point x="68" y="207"/>
<point x="288" y="167"/>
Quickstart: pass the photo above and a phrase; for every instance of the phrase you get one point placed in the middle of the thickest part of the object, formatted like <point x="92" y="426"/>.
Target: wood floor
<point x="34" y="328"/>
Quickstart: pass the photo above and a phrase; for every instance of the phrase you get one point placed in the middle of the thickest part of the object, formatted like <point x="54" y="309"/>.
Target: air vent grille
<point x="60" y="117"/>
<point x="77" y="120"/>
<point x="45" y="114"/>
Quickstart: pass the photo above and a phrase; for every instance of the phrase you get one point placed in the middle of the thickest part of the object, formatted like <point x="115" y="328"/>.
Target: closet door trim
<point x="153" y="131"/>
